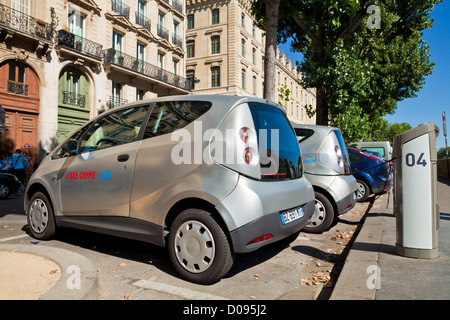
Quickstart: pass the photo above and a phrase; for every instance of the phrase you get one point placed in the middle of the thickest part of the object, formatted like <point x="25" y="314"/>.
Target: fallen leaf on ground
<point x="123" y="264"/>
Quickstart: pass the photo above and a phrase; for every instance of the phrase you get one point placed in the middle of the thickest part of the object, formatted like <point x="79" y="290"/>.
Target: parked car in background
<point x="183" y="172"/>
<point x="9" y="184"/>
<point x="372" y="173"/>
<point x="384" y="148"/>
<point x="327" y="167"/>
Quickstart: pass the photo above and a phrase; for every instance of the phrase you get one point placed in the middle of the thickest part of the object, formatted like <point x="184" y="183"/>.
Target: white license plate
<point x="291" y="215"/>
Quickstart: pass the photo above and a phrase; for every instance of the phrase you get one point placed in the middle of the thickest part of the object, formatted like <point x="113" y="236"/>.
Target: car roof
<point x="314" y="127"/>
<point x="214" y="99"/>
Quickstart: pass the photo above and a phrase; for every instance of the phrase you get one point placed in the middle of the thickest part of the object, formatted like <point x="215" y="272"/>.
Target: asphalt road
<point x="305" y="269"/>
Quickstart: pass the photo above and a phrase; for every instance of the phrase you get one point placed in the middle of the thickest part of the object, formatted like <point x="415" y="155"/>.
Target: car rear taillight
<point x="261" y="238"/>
<point x="244" y="134"/>
<point x="248" y="155"/>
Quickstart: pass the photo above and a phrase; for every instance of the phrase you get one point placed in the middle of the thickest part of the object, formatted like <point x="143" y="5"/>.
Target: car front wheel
<point x="40" y="217"/>
<point x="198" y="247"/>
<point x="4" y="190"/>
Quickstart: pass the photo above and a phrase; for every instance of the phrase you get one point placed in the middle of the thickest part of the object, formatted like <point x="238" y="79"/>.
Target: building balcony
<point x="163" y="32"/>
<point x="133" y="65"/>
<point x="79" y="44"/>
<point x="15" y="21"/>
<point x="17" y="88"/>
<point x="177" y="41"/>
<point x="119" y="7"/>
<point x="177" y="5"/>
<point x="74" y="99"/>
<point x="143" y="21"/>
<point x="115" y="102"/>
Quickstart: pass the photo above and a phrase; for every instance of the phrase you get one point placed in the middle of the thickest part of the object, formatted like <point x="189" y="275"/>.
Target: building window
<point x="243" y="20"/>
<point x="254" y="56"/>
<point x="76" y="24"/>
<point x="253" y="31"/>
<point x="160" y="60"/>
<point x="117" y="41"/>
<point x="175" y="66"/>
<point x="215" y="16"/>
<point x="117" y="95"/>
<point x="243" y="79"/>
<point x="190" y="21"/>
<point x="215" y="44"/>
<point x="190" y="76"/>
<point x="254" y="86"/>
<point x="215" y="77"/>
<point x="243" y="47"/>
<point x="140" y="94"/>
<point x="190" y="49"/>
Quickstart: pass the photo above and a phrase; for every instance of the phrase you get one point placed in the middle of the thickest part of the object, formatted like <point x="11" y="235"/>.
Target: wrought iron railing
<point x="74" y="99"/>
<point x="177" y="41"/>
<point x="143" y="21"/>
<point x="115" y="101"/>
<point x="145" y="68"/>
<point x="17" y="88"/>
<point x="79" y="44"/>
<point x="163" y="32"/>
<point x="17" y="20"/>
<point x="177" y="5"/>
<point x="119" y="6"/>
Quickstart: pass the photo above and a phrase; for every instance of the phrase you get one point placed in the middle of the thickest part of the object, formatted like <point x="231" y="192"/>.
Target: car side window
<point x="168" y="116"/>
<point x="354" y="157"/>
<point x="61" y="153"/>
<point x="114" y="129"/>
<point x="303" y="134"/>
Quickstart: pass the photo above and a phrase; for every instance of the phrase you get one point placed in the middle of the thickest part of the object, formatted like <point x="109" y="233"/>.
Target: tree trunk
<point x="321" y="108"/>
<point x="270" y="61"/>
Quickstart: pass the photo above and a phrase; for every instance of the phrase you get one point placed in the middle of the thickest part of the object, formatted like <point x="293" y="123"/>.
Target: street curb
<point x="355" y="281"/>
<point x="72" y="265"/>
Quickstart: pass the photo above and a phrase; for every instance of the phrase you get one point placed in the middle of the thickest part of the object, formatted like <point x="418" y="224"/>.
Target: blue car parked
<point x="373" y="176"/>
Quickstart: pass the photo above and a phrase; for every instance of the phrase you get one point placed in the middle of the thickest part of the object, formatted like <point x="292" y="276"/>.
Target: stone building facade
<point x="63" y="62"/>
<point x="225" y="55"/>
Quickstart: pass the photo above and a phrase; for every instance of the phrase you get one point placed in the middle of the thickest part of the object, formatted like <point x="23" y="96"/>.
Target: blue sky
<point x="434" y="98"/>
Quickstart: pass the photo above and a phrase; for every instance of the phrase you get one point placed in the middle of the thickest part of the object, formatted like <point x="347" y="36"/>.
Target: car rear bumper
<point x="269" y="224"/>
<point x="346" y="204"/>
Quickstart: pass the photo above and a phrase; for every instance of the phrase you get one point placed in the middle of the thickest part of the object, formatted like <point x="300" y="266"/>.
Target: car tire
<point x="41" y="220"/>
<point x="4" y="190"/>
<point x="198" y="247"/>
<point x="323" y="215"/>
<point x="362" y="192"/>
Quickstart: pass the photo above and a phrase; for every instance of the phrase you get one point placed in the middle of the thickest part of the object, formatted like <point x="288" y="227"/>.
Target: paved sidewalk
<point x="46" y="273"/>
<point x="374" y="271"/>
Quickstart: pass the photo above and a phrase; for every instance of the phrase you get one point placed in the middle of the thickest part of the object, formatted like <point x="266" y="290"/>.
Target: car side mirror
<point x="70" y="146"/>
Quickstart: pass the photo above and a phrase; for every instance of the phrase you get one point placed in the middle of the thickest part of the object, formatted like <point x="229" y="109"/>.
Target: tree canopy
<point x="361" y="57"/>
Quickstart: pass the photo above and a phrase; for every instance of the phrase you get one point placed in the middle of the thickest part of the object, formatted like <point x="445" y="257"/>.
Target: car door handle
<point x="123" y="157"/>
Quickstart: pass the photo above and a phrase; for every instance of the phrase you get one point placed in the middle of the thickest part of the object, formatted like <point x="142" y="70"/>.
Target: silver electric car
<point x="206" y="176"/>
<point x="326" y="165"/>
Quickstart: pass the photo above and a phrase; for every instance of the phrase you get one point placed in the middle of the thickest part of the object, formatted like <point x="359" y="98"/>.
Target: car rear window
<point x="344" y="150"/>
<point x="284" y="163"/>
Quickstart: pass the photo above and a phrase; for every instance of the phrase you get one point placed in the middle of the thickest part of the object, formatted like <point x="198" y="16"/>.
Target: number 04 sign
<point x="417" y="197"/>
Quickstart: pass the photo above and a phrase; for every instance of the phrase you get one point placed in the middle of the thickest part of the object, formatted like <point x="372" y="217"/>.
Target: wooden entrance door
<point x="19" y="96"/>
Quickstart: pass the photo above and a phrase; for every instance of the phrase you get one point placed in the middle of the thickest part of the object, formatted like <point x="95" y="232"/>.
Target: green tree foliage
<point x="441" y="154"/>
<point x="382" y="130"/>
<point x="361" y="57"/>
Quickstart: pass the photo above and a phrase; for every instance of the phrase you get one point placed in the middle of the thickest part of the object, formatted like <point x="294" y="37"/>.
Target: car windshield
<point x="279" y="150"/>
